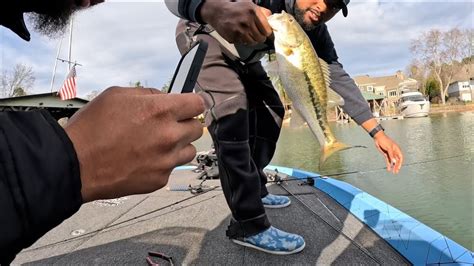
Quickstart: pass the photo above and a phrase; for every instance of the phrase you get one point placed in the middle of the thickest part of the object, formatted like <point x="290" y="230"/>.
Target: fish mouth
<point x="272" y="20"/>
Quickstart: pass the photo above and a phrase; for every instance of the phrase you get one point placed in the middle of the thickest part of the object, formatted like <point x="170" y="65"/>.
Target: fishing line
<point x="214" y="188"/>
<point x="377" y="169"/>
<point x="279" y="181"/>
<point x="410" y="164"/>
<point x="122" y="222"/>
<point x="363" y="249"/>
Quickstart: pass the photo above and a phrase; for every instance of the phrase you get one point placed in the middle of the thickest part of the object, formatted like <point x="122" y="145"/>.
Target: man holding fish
<point x="244" y="113"/>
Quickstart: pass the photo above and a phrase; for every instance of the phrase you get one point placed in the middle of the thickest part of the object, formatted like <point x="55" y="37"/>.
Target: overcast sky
<point x="119" y="42"/>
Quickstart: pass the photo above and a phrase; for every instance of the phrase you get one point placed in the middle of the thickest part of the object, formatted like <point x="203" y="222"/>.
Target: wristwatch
<point x="375" y="130"/>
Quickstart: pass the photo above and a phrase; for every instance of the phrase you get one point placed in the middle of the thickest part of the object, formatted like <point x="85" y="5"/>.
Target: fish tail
<point x="329" y="149"/>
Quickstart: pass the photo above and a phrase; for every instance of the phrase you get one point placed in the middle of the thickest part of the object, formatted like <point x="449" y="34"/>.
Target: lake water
<point x="435" y="185"/>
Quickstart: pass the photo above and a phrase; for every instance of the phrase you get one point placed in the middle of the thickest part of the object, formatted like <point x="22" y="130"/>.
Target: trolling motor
<point x="207" y="165"/>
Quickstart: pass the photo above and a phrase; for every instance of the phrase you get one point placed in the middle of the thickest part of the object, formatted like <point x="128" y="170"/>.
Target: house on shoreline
<point x="462" y="88"/>
<point x="383" y="92"/>
<point x="391" y="87"/>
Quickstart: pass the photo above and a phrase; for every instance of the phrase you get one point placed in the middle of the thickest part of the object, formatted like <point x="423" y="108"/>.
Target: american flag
<point x="68" y="90"/>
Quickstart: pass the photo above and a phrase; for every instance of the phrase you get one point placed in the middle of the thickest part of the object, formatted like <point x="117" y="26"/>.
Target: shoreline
<point x="437" y="109"/>
<point x="451" y="108"/>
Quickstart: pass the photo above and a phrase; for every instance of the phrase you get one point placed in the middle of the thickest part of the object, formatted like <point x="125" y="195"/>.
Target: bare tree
<point x="442" y="53"/>
<point x="136" y="84"/>
<point x="92" y="95"/>
<point x="166" y="86"/>
<point x="468" y="45"/>
<point x="416" y="70"/>
<point x="16" y="82"/>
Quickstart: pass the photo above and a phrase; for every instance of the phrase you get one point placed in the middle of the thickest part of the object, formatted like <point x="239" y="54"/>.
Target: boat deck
<point x="191" y="229"/>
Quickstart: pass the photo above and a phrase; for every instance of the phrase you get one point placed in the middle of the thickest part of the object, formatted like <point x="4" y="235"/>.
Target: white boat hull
<point x="415" y="109"/>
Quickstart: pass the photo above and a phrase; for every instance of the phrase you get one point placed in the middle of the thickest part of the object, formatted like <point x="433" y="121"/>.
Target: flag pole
<point x="69" y="90"/>
<point x="70" y="43"/>
<point x="56" y="64"/>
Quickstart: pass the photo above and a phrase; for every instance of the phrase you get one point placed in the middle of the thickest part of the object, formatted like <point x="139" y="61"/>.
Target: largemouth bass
<point x="305" y="78"/>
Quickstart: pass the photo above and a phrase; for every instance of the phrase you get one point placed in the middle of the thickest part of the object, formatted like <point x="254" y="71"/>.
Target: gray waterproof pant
<point x="244" y="116"/>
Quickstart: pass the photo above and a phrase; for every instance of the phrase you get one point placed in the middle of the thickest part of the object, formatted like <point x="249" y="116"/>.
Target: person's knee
<point x="233" y="127"/>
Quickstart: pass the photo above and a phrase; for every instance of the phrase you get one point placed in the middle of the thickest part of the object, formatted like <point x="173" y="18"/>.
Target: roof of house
<point x="364" y="80"/>
<point x="390" y="82"/>
<point x="44" y="100"/>
<point x="368" y="96"/>
<point x="465" y="74"/>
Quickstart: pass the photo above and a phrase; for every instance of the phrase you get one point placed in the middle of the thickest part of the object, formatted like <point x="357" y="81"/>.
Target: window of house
<point x="392" y="93"/>
<point x="370" y="88"/>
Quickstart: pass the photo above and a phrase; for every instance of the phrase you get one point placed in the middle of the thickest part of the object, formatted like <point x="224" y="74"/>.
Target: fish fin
<point x="334" y="99"/>
<point x="272" y="68"/>
<point x="278" y="84"/>
<point x="329" y="150"/>
<point x="288" y="51"/>
<point x="326" y="72"/>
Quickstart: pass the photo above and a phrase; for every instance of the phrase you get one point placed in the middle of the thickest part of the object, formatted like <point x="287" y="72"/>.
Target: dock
<point x="392" y="117"/>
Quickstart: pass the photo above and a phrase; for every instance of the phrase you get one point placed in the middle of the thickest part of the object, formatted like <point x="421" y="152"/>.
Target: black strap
<point x="375" y="130"/>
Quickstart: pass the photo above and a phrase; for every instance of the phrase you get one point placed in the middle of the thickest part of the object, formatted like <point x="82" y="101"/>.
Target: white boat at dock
<point x="413" y="104"/>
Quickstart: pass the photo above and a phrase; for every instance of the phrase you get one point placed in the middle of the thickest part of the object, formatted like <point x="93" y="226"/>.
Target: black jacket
<point x="40" y="182"/>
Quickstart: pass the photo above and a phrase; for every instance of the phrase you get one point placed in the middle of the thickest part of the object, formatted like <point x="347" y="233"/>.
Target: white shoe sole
<point x="269" y="251"/>
<point x="277" y="206"/>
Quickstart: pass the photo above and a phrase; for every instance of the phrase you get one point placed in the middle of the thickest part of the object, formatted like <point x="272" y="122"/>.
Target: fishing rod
<point x="196" y="191"/>
<point x="415" y="163"/>
<point x="339" y="231"/>
<point x="310" y="181"/>
<point x="375" y="169"/>
<point x="194" y="195"/>
<point x="212" y="189"/>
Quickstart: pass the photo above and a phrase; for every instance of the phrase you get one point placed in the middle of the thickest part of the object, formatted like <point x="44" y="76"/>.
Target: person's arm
<point x="236" y="21"/>
<point x="187" y="9"/>
<point x="126" y="141"/>
<point x="354" y="103"/>
<point x="356" y="106"/>
<point x="40" y="183"/>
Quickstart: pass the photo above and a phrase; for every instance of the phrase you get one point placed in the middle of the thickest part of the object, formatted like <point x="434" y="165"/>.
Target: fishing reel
<point x="207" y="165"/>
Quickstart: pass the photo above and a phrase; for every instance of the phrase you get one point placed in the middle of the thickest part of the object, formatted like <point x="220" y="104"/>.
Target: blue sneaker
<point x="274" y="241"/>
<point x="275" y="201"/>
